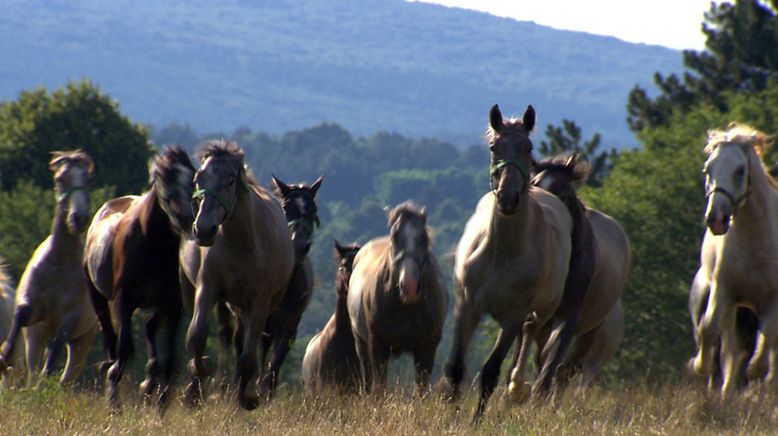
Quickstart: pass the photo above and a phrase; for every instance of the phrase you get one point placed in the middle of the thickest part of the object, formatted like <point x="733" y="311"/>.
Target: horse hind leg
<point x="103" y="312"/>
<point x="173" y="318"/>
<point x="78" y="352"/>
<point x="124" y="352"/>
<point x="709" y="332"/>
<point x="518" y="387"/>
<point x="226" y="342"/>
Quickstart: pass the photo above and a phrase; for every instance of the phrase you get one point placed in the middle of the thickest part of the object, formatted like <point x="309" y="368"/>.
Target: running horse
<point x="52" y="303"/>
<point x="131" y="262"/>
<point x="739" y="258"/>
<point x="242" y="254"/>
<point x="588" y="325"/>
<point x="513" y="256"/>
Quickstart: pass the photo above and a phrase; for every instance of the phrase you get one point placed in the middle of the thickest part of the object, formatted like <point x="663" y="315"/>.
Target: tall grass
<point x="638" y="408"/>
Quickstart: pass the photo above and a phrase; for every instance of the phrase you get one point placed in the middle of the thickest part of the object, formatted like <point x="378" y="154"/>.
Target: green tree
<point x="78" y="115"/>
<point x="741" y="55"/>
<point x="567" y="138"/>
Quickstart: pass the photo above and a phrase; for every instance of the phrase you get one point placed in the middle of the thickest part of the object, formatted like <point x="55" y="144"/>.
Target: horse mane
<point x="164" y="164"/>
<point x="78" y="155"/>
<point x="578" y="170"/>
<point x="746" y="135"/>
<point x="219" y="148"/>
<point x="510" y="125"/>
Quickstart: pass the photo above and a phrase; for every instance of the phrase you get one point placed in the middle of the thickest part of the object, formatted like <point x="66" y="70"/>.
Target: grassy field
<point x="636" y="409"/>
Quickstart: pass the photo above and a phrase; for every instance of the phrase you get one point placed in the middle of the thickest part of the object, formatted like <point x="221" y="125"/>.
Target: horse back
<point x="98" y="252"/>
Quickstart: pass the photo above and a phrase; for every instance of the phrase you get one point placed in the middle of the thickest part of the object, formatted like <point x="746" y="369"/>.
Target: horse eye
<point x="740" y="172"/>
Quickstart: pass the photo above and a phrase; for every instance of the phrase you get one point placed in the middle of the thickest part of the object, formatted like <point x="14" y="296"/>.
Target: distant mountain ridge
<point x="370" y="65"/>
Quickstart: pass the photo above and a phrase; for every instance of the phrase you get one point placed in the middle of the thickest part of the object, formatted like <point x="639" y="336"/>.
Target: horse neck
<point x="757" y="214"/>
<point x="153" y="219"/>
<point x="507" y="232"/>
<point x="578" y="213"/>
<point x="63" y="242"/>
<point x="239" y="227"/>
<point x="342" y="319"/>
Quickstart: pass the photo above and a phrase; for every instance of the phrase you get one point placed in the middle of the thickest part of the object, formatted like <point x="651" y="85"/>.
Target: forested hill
<point x="368" y="65"/>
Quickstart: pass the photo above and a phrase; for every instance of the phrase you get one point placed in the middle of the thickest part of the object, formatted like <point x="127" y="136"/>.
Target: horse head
<point x="562" y="175"/>
<point x="299" y="203"/>
<point x="344" y="256"/>
<point x="172" y="174"/>
<point x="410" y="248"/>
<point x="728" y="173"/>
<point x="73" y="171"/>
<point x="511" y="151"/>
<point x="218" y="182"/>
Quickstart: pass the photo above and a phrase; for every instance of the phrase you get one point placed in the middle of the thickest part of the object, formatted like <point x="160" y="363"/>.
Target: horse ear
<point x="282" y="187"/>
<point x="317" y="184"/>
<point x="339" y="249"/>
<point x="571" y="160"/>
<point x="424" y="213"/>
<point x="495" y="118"/>
<point x="529" y="118"/>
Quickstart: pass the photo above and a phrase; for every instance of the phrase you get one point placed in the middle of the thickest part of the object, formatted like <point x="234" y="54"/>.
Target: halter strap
<point x="199" y="194"/>
<point x="736" y="202"/>
<point x="520" y="165"/>
<point x="63" y="196"/>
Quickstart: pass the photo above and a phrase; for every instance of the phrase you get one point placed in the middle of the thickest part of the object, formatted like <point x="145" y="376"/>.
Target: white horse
<point x="739" y="257"/>
<point x="52" y="305"/>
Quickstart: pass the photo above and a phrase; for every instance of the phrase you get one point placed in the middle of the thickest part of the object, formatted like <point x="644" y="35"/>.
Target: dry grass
<point x="636" y="409"/>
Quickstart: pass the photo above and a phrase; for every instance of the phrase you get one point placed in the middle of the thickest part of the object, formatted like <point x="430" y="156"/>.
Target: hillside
<point x="369" y="65"/>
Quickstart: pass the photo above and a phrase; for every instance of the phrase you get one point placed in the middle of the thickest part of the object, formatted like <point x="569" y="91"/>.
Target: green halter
<point x="520" y="165"/>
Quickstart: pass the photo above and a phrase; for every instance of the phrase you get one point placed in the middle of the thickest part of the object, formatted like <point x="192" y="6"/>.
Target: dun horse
<point x="330" y="358"/>
<point x="242" y="254"/>
<point x="52" y="304"/>
<point x="397" y="299"/>
<point x="513" y="256"/>
<point x="739" y="257"/>
<point x="599" y="268"/>
<point x="131" y="261"/>
<point x="299" y="203"/>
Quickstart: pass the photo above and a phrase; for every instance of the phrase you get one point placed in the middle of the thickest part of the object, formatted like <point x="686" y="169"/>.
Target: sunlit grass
<point x="638" y="408"/>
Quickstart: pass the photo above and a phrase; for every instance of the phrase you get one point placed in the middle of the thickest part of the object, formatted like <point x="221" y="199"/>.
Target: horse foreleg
<point x="283" y="345"/>
<point x="125" y="348"/>
<point x="555" y="350"/>
<point x="423" y="359"/>
<point x="196" y="338"/>
<point x="379" y="360"/>
<point x="103" y="312"/>
<point x="465" y="322"/>
<point x="226" y="342"/>
<point x="709" y="330"/>
<point x="62" y="337"/>
<point x="491" y="369"/>
<point x="78" y="352"/>
<point x="766" y="351"/>
<point x="731" y="355"/>
<point x="22" y="316"/>
<point x="518" y="389"/>
<point x="364" y="364"/>
<point x="247" y="367"/>
<point x="173" y="318"/>
<point x="149" y="385"/>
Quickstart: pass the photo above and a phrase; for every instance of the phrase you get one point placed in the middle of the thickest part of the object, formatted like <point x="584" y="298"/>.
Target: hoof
<point x="695" y="367"/>
<point x="447" y="391"/>
<point x="147" y="389"/>
<point x="518" y="392"/>
<point x="209" y="367"/>
<point x="104" y="366"/>
<point x="193" y="394"/>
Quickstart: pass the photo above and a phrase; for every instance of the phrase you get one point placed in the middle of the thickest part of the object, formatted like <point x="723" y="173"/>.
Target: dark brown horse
<point x="330" y="357"/>
<point x="242" y="255"/>
<point x="131" y="261"/>
<point x="299" y="203"/>
<point x="397" y="299"/>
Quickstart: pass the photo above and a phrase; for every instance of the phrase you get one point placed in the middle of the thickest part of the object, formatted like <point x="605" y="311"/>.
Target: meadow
<point x="629" y="408"/>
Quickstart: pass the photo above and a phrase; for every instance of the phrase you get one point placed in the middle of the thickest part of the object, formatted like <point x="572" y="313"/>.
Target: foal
<point x="330" y="357"/>
<point x="52" y="304"/>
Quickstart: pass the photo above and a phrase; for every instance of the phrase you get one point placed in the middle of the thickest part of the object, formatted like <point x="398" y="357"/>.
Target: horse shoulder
<point x="365" y="282"/>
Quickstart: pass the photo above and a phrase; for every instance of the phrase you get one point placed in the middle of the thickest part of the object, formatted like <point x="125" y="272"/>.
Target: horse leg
<point x="78" y="352"/>
<point x="363" y="355"/>
<point x="555" y="350"/>
<point x="709" y="330"/>
<point x="731" y="355"/>
<point x="763" y="362"/>
<point x="423" y="359"/>
<point x="149" y="385"/>
<point x="62" y="337"/>
<point x="22" y="317"/>
<point x="491" y="369"/>
<point x="247" y="367"/>
<point x="226" y="341"/>
<point x="196" y="337"/>
<point x="173" y="318"/>
<point x="35" y="339"/>
<point x="379" y="360"/>
<point x="125" y="349"/>
<point x="465" y="323"/>
<point x="518" y="389"/>
<point x="103" y="312"/>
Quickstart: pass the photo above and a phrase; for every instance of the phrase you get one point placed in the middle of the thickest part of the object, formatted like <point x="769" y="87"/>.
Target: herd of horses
<point x="548" y="269"/>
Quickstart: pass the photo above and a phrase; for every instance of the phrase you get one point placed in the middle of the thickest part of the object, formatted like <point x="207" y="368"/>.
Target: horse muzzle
<point x="507" y="204"/>
<point x="409" y="284"/>
<point x="205" y="238"/>
<point x="718" y="223"/>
